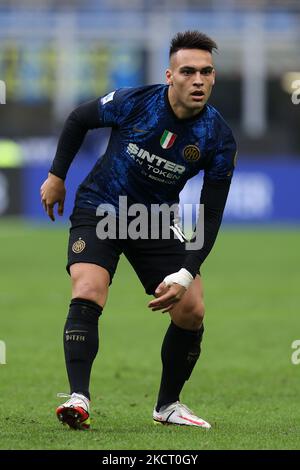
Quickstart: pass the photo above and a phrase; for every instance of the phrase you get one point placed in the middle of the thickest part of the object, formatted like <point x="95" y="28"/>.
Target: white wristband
<point x="182" y="277"/>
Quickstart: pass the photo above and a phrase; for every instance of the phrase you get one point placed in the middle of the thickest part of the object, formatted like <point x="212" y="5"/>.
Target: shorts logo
<point x="78" y="246"/>
<point x="191" y="153"/>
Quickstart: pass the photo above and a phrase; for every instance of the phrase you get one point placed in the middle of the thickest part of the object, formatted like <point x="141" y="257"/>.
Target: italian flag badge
<point x="167" y="139"/>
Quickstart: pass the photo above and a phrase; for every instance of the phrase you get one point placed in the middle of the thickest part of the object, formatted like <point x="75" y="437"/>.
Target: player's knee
<point x="88" y="289"/>
<point x="195" y="314"/>
<point x="85" y="290"/>
<point x="198" y="313"/>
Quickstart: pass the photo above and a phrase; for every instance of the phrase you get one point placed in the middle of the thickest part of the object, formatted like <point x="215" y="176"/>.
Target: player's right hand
<point x="53" y="192"/>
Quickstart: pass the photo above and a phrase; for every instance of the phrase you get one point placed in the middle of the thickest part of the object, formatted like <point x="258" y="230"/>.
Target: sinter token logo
<point x="191" y="153"/>
<point x="78" y="246"/>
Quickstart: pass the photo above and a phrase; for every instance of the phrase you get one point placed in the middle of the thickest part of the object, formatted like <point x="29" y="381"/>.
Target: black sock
<point x="179" y="354"/>
<point x="81" y="342"/>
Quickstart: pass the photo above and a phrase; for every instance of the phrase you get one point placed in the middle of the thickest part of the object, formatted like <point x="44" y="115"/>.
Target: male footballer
<point x="161" y="136"/>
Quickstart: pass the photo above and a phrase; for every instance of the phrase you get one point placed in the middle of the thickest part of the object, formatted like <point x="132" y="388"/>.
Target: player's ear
<point x="169" y="77"/>
<point x="214" y="77"/>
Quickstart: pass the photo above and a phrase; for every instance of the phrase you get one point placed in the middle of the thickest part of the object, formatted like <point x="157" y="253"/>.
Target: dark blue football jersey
<point x="152" y="153"/>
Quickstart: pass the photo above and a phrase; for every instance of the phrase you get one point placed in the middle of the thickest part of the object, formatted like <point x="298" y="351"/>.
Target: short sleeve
<point x="115" y="107"/>
<point x="223" y="162"/>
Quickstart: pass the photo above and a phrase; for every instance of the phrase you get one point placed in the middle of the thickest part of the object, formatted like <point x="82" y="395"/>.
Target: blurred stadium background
<point x="55" y="54"/>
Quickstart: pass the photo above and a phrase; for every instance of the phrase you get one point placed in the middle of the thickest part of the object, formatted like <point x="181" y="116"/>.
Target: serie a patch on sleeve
<point x="108" y="97"/>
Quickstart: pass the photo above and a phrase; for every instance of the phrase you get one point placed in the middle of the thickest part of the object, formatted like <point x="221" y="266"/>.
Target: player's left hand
<point x="166" y="297"/>
<point x="170" y="291"/>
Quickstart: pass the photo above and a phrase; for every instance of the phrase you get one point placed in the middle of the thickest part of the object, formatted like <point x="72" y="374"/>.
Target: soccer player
<point x="162" y="135"/>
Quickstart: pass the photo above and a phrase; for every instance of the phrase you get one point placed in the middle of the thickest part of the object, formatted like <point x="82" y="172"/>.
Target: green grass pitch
<point x="244" y="384"/>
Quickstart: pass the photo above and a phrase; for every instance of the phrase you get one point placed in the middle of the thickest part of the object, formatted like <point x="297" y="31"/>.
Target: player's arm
<point x="84" y="118"/>
<point x="170" y="291"/>
<point x="108" y="111"/>
<point x="214" y="194"/>
<point x="79" y="122"/>
<point x="213" y="198"/>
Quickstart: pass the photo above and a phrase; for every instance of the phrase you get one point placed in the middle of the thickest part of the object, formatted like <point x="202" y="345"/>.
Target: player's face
<point x="191" y="77"/>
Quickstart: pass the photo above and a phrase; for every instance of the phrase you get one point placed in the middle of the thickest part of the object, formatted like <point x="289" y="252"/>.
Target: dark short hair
<point x="192" y="40"/>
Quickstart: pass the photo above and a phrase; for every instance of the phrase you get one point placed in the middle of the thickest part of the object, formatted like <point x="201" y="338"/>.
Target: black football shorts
<point x="152" y="260"/>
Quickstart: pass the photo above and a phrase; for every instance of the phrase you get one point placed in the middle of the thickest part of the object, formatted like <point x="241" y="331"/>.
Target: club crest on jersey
<point x="191" y="153"/>
<point x="78" y="246"/>
<point x="167" y="139"/>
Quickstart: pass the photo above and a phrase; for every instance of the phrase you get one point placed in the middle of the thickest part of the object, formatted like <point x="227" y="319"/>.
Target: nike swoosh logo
<point x="76" y="331"/>
<point x="140" y="130"/>
<point x="192" y="420"/>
